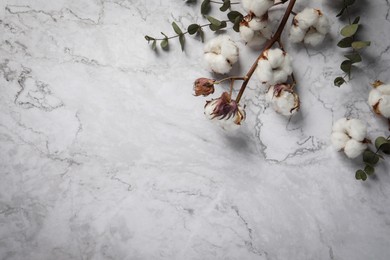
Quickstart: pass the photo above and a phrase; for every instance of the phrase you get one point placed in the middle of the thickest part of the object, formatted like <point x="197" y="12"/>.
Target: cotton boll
<point x="258" y="7"/>
<point x="266" y="32"/>
<point x="257" y="23"/>
<point x="374" y="97"/>
<point x="313" y="38"/>
<point x="246" y="33"/>
<point x="217" y="63"/>
<point x="297" y="34"/>
<point x="279" y="76"/>
<point x="229" y="50"/>
<point x="356" y="129"/>
<point x="339" y="140"/>
<point x="307" y="18"/>
<point x="323" y="25"/>
<point x="213" y="45"/>
<point x="384" y="106"/>
<point x="384" y="89"/>
<point x="287" y="64"/>
<point x="340" y="125"/>
<point x="209" y="109"/>
<point x="354" y="148"/>
<point x="275" y="57"/>
<point x="284" y="101"/>
<point x="264" y="71"/>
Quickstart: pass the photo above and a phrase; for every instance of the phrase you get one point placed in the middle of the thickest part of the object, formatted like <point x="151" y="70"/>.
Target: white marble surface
<point x="105" y="153"/>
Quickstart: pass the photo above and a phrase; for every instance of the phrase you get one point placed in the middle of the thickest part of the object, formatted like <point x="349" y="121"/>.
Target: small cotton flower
<point x="274" y="67"/>
<point x="204" y="86"/>
<point x="255" y="30"/>
<point x="349" y="135"/>
<point x="220" y="54"/>
<point x="283" y="99"/>
<point x="309" y="26"/>
<point x="379" y="99"/>
<point x="225" y="111"/>
<point x="258" y="7"/>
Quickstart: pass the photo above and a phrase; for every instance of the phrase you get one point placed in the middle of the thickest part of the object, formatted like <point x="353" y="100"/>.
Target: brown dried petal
<point x="204" y="86"/>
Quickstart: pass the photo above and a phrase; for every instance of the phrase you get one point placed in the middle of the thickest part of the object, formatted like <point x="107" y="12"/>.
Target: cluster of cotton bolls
<point x="309" y="26"/>
<point x="220" y="54"/>
<point x="349" y="135"/>
<point x="379" y="99"/>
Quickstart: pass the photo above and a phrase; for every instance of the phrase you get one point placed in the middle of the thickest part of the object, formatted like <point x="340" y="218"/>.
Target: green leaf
<point x="339" y="81"/>
<point x="346" y="66"/>
<point x="360" y="44"/>
<point x="356" y="21"/>
<point x="345" y="42"/>
<point x="341" y="12"/>
<point x="369" y="169"/>
<point x="154" y="44"/>
<point x="225" y="6"/>
<point x="176" y="28"/>
<point x="370" y="157"/>
<point x="193" y="28"/>
<point x="164" y="44"/>
<point x="383" y="144"/>
<point x="182" y="41"/>
<point x="148" y="38"/>
<point x="360" y="175"/>
<point x="236" y="26"/>
<point x="354" y="57"/>
<point x="349" y="30"/>
<point x="205" y="7"/>
<point x="213" y="21"/>
<point x="201" y="33"/>
<point x="233" y="15"/>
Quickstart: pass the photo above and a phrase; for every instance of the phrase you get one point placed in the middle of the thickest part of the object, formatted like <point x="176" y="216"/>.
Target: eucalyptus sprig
<point x="370" y="158"/>
<point x="349" y="42"/>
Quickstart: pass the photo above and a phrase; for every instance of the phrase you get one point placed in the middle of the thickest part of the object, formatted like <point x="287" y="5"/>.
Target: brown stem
<point x="268" y="45"/>
<point x="231" y="78"/>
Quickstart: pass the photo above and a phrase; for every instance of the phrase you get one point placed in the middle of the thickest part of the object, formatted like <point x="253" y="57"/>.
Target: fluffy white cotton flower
<point x="349" y="135"/>
<point x="379" y="99"/>
<point x="220" y="54"/>
<point x="255" y="30"/>
<point x="274" y="67"/>
<point x="283" y="99"/>
<point x="225" y="111"/>
<point x="258" y="7"/>
<point x="309" y="26"/>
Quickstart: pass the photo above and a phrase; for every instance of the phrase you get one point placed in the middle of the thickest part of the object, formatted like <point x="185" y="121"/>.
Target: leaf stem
<point x="269" y="44"/>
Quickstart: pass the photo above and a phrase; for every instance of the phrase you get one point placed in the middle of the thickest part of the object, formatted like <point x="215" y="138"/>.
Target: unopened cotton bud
<point x="379" y="99"/>
<point x="283" y="99"/>
<point x="204" y="86"/>
<point x="220" y="54"/>
<point x="225" y="111"/>
<point x="354" y="148"/>
<point x="258" y="7"/>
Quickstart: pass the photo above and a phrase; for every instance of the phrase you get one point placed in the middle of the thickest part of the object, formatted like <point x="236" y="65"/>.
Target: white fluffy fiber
<point x="349" y="135"/>
<point x="227" y="123"/>
<point x="310" y="26"/>
<point x="220" y="54"/>
<point x="286" y="103"/>
<point x="255" y="31"/>
<point x="258" y="7"/>
<point x="274" y="68"/>
<point x="379" y="99"/>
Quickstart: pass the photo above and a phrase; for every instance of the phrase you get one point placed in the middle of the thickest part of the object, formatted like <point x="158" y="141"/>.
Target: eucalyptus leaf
<point x="233" y="15"/>
<point x="345" y="42"/>
<point x="213" y="21"/>
<point x="176" y="28"/>
<point x="164" y="44"/>
<point x="356" y="21"/>
<point x="369" y="169"/>
<point x="154" y="44"/>
<point x="354" y="57"/>
<point x="182" y="41"/>
<point x="383" y="144"/>
<point x="346" y="66"/>
<point x="225" y="6"/>
<point x="360" y="44"/>
<point x="201" y="33"/>
<point x="370" y="157"/>
<point x="359" y="175"/>
<point x="339" y="81"/>
<point x="349" y="30"/>
<point x="193" y="28"/>
<point x="205" y="7"/>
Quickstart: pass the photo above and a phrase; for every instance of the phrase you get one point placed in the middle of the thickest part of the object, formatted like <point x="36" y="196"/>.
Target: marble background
<point x="105" y="153"/>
